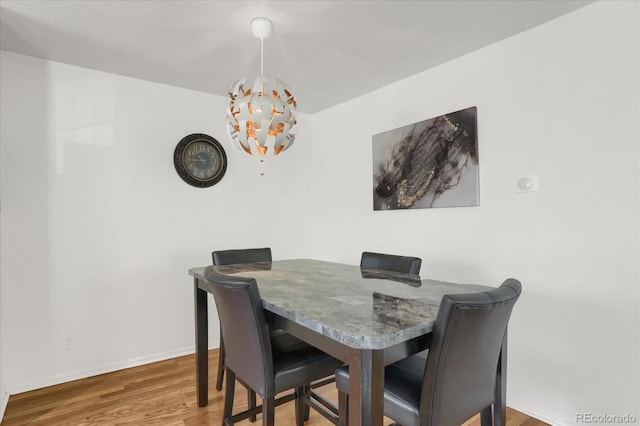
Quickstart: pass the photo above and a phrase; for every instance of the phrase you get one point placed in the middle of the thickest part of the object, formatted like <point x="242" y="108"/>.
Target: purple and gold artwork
<point x="431" y="163"/>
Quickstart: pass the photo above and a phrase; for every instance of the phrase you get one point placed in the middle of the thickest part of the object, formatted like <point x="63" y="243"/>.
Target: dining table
<point x="367" y="318"/>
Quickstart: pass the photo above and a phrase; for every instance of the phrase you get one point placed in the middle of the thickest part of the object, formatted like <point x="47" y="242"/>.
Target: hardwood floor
<point x="162" y="393"/>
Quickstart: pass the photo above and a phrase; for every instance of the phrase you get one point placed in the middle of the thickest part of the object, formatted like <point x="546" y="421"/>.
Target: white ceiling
<point x="327" y="51"/>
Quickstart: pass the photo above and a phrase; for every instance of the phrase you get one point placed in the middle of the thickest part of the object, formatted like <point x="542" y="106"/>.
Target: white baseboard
<point x="537" y="415"/>
<point x="4" y="400"/>
<point x="107" y="368"/>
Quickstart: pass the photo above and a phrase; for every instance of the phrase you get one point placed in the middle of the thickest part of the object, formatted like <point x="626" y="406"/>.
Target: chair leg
<point x="343" y="409"/>
<point x="251" y="402"/>
<point x="228" y="397"/>
<point x="307" y="407"/>
<point x="486" y="416"/>
<point x="300" y="405"/>
<point x="268" y="408"/>
<point x="221" y="365"/>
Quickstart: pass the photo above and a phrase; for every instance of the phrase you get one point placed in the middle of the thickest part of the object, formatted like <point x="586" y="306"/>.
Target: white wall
<point x="560" y="101"/>
<point x="98" y="231"/>
<point x="98" y="236"/>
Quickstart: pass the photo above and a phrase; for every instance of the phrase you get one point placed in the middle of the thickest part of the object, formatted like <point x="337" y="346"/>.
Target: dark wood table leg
<point x="500" y="397"/>
<point x="202" y="344"/>
<point x="366" y="387"/>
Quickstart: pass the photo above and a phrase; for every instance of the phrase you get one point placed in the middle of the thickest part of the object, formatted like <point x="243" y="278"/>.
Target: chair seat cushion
<point x="297" y="363"/>
<point x="402" y="388"/>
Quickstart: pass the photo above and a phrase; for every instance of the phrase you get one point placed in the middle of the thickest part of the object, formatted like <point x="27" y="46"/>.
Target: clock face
<point x="200" y="160"/>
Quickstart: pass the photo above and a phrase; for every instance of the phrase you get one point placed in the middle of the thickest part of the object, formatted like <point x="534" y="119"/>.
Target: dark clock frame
<point x="183" y="171"/>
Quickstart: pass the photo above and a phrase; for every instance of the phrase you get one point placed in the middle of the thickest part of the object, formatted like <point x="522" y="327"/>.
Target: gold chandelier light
<point x="261" y="116"/>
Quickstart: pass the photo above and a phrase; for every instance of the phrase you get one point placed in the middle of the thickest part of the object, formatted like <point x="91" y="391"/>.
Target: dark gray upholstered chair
<point x="456" y="381"/>
<point x="390" y="262"/>
<point x="265" y="364"/>
<point x="233" y="257"/>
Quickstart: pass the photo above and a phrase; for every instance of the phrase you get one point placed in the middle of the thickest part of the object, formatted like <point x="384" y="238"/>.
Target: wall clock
<point x="200" y="160"/>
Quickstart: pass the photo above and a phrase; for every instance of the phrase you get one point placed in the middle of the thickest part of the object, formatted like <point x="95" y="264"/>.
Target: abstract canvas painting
<point x="431" y="163"/>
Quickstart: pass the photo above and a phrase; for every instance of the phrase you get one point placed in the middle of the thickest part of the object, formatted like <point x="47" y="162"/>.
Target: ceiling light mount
<point x="261" y="27"/>
<point x="261" y="115"/>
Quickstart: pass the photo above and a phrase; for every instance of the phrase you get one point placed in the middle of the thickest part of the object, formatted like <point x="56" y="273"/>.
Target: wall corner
<point x="4" y="400"/>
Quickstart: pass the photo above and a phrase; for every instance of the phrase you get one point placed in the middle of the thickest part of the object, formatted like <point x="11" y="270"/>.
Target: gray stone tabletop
<point x="363" y="309"/>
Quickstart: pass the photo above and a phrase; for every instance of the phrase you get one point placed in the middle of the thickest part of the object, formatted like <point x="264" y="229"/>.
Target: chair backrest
<point x="390" y="262"/>
<point x="461" y="364"/>
<point x="231" y="257"/>
<point x="244" y="330"/>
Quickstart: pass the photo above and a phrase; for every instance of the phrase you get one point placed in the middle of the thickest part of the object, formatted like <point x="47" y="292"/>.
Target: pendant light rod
<point x="261" y="28"/>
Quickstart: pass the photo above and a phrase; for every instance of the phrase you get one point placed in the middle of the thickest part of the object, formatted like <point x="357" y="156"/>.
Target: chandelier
<point x="261" y="115"/>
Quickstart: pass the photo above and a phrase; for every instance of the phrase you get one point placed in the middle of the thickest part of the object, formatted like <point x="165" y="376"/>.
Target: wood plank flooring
<point x="162" y="393"/>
